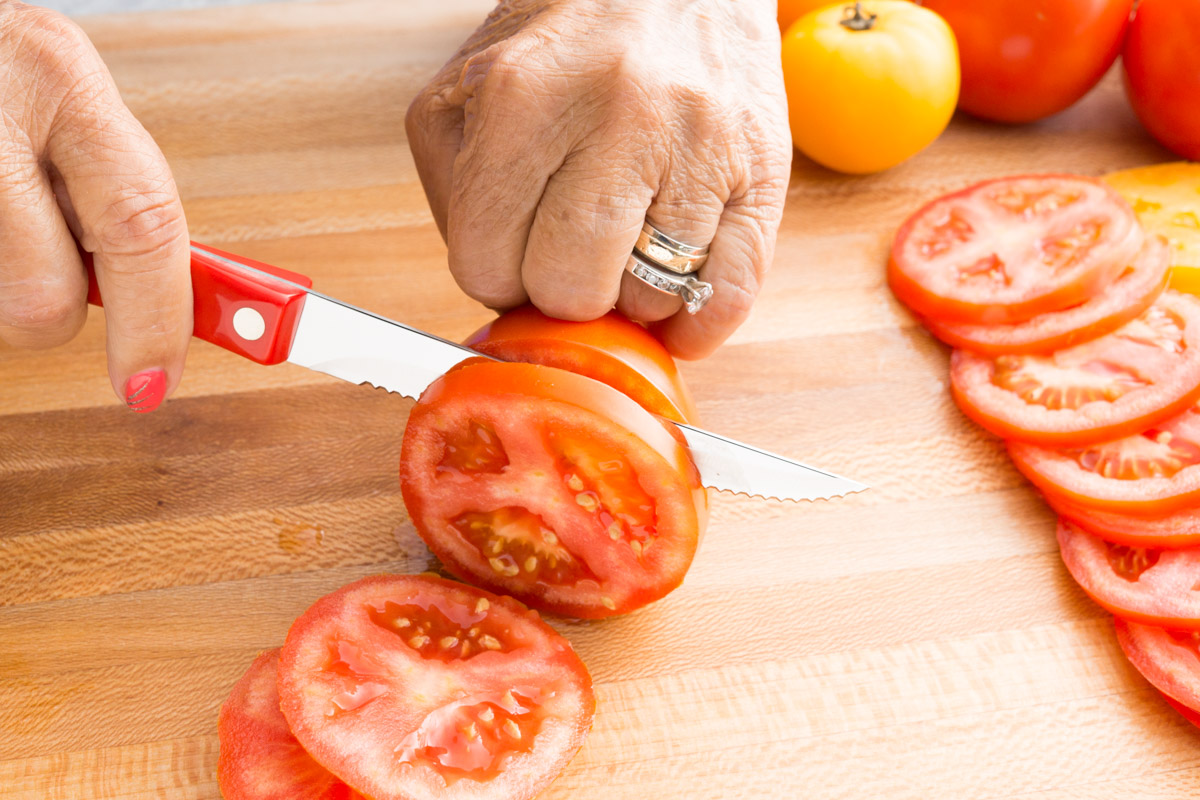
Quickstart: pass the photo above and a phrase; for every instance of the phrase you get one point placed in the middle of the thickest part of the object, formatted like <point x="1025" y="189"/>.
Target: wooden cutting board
<point x="920" y="641"/>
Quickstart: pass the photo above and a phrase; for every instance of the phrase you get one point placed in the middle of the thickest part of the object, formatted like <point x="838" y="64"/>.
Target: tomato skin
<point x="1023" y="60"/>
<point x="529" y="401"/>
<point x="1161" y="61"/>
<point x="611" y="349"/>
<point x="925" y="269"/>
<point x="1126" y="298"/>
<point x="1142" y="584"/>
<point x="260" y="758"/>
<point x="1172" y="530"/>
<point x="352" y="640"/>
<point x="863" y="101"/>
<point x="1163" y="383"/>
<point x="1190" y="714"/>
<point x="1168" y="660"/>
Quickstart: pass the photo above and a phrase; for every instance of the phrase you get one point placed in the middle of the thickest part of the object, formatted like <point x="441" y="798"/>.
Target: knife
<point x="271" y="315"/>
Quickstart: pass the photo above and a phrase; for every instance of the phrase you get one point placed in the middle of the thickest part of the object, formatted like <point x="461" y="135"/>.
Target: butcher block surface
<point x="920" y="640"/>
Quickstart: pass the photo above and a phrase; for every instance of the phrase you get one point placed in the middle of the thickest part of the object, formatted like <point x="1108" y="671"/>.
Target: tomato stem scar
<point x="855" y="20"/>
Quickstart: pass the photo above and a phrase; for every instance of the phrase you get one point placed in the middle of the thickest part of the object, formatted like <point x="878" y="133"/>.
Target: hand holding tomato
<point x="561" y="125"/>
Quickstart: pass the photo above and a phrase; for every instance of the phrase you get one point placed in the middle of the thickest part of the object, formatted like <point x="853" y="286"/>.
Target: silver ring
<point x="693" y="291"/>
<point x="670" y="254"/>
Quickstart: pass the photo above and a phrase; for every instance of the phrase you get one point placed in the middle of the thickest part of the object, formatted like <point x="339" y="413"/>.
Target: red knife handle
<point x="245" y="306"/>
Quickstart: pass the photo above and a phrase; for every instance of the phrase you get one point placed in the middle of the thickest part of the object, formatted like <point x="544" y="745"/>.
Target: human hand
<point x="76" y="166"/>
<point x="561" y="125"/>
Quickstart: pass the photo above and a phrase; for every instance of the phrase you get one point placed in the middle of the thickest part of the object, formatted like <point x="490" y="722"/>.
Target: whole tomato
<point x="868" y="84"/>
<point x="1027" y="59"/>
<point x="1162" y="72"/>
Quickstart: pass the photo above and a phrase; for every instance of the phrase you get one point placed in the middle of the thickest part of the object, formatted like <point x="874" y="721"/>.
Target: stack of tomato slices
<point x="1069" y="346"/>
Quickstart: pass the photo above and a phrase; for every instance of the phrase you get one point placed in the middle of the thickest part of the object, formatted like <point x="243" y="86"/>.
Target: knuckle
<point x="141" y="224"/>
<point x="47" y="39"/>
<point x="39" y="313"/>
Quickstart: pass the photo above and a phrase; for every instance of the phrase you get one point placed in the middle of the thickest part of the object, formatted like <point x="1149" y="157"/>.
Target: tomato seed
<point x="489" y="642"/>
<point x="608" y="603"/>
<point x="512" y="729"/>
<point x="487" y="715"/>
<point x="448" y="642"/>
<point x="481" y="605"/>
<point x="574" y="483"/>
<point x="531" y="564"/>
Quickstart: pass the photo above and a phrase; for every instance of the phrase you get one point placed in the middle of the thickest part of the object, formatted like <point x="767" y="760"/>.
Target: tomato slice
<point x="1190" y="714"/>
<point x="1173" y="530"/>
<point x="551" y="487"/>
<point x="611" y="349"/>
<point x="1145" y="371"/>
<point x="260" y="758"/>
<point x="1128" y="296"/>
<point x="1009" y="249"/>
<point x="1150" y="585"/>
<point x="411" y="686"/>
<point x="1169" y="659"/>
<point x="1152" y="473"/>
<point x="1166" y="199"/>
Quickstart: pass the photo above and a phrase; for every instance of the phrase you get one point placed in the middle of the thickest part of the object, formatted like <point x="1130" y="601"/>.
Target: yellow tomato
<point x="868" y="88"/>
<point x="792" y="10"/>
<point x="1166" y="198"/>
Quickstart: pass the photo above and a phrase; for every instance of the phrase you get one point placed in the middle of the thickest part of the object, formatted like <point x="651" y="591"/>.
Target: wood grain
<point x="921" y="640"/>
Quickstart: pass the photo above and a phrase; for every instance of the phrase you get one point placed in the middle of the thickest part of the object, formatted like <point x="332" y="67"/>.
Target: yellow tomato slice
<point x="1166" y="198"/>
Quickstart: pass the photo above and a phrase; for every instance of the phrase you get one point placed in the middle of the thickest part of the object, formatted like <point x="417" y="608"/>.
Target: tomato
<point x="1026" y="59"/>
<point x="612" y="350"/>
<point x="1172" y="530"/>
<point x="1191" y="715"/>
<point x="1166" y="199"/>
<point x="410" y="686"/>
<point x="260" y="758"/>
<point x="869" y="91"/>
<point x="788" y="11"/>
<point x="1006" y="250"/>
<point x="1162" y="72"/>
<point x="1140" y="583"/>
<point x="551" y="487"/>
<point x="1120" y="384"/>
<point x="1151" y="473"/>
<point x="1128" y="296"/>
<point x="1169" y="659"/>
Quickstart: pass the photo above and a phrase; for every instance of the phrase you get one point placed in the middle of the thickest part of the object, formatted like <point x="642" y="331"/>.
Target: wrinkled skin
<point x="76" y="165"/>
<point x="543" y="144"/>
<point x="561" y="125"/>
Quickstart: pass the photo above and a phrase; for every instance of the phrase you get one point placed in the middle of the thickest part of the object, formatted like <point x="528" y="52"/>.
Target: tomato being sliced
<point x="1125" y="298"/>
<point x="1169" y="659"/>
<point x="611" y="349"/>
<point x="1157" y="587"/>
<point x="1152" y="473"/>
<point x="411" y="687"/>
<point x="260" y="758"/>
<point x="1172" y="530"/>
<point x="1006" y="250"/>
<point x="551" y="487"/>
<point x="1142" y="373"/>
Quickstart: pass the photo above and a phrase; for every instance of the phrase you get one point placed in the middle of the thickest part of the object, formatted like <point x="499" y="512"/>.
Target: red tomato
<point x="1173" y="530"/>
<point x="612" y="350"/>
<point x="1170" y="660"/>
<point x="1191" y="715"/>
<point x="1139" y="583"/>
<point x="1009" y="249"/>
<point x="1128" y="296"/>
<point x="551" y="487"/>
<point x="1120" y="384"/>
<point x="1026" y="59"/>
<point x="410" y="686"/>
<point x="1162" y="72"/>
<point x="260" y="758"/>
<point x="1152" y="473"/>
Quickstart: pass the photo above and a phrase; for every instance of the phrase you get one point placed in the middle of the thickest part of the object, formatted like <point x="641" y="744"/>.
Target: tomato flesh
<point x="1157" y="587"/>
<point x="591" y="506"/>
<point x="260" y="758"/>
<point x="1144" y="372"/>
<point x="1007" y="250"/>
<point x="1171" y="530"/>
<point x="1169" y="659"/>
<point x="414" y="686"/>
<point x="1152" y="473"/>
<point x="611" y="349"/>
<point x="1128" y="296"/>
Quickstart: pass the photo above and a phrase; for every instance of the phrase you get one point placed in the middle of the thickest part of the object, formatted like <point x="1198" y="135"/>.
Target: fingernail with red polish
<point x="144" y="391"/>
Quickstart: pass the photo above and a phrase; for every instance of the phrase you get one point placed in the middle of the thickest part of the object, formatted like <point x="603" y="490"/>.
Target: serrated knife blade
<point x="357" y="346"/>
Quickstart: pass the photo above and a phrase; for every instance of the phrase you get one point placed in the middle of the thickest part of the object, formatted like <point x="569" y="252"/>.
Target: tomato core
<point x="1130" y="562"/>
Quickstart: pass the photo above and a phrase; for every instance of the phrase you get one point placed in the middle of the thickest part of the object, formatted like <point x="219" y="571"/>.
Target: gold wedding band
<point x="670" y="254"/>
<point x="669" y="266"/>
